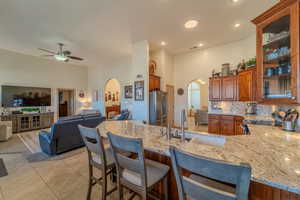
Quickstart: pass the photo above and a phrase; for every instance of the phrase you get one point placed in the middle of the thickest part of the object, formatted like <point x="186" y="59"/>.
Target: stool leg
<point x="90" y="182"/>
<point x="166" y="188"/>
<point x="104" y="184"/>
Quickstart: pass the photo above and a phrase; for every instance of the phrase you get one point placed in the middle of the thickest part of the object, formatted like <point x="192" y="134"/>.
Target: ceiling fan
<point x="61" y="55"/>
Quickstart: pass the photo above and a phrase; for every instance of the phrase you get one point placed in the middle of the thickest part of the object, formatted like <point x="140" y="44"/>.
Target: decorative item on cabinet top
<point x="152" y="67"/>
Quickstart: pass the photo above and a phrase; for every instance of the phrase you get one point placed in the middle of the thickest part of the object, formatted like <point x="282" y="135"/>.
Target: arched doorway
<point x="197" y="105"/>
<point x="112" y="98"/>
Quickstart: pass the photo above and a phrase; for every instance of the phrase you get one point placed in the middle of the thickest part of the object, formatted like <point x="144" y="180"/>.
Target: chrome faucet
<point x="182" y="121"/>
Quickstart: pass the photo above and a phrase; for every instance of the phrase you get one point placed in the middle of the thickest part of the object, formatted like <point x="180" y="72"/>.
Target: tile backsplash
<point x="238" y="108"/>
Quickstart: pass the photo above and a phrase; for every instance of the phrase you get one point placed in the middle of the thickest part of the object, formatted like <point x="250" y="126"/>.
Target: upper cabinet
<point x="154" y="82"/>
<point x="278" y="54"/>
<point x="215" y="86"/>
<point x="247" y="85"/>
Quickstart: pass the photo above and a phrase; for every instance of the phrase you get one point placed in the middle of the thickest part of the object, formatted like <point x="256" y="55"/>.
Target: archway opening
<point x="198" y="105"/>
<point x="112" y="91"/>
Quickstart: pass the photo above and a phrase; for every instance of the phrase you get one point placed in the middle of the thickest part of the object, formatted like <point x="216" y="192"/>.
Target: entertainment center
<point x="27" y="122"/>
<point x="26" y="107"/>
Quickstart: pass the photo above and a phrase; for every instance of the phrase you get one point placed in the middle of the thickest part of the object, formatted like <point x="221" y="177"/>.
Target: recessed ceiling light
<point x="237" y="25"/>
<point x="163" y="43"/>
<point x="200" y="45"/>
<point x="191" y="24"/>
<point x="235" y="1"/>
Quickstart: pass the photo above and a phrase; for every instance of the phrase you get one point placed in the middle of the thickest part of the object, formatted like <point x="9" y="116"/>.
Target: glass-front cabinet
<point x="278" y="56"/>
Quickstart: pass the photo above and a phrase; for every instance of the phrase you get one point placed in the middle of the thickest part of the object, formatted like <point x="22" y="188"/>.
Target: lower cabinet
<point x="225" y="125"/>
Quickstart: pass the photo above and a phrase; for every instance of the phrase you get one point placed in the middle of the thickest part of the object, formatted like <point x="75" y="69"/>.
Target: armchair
<point x="5" y="130"/>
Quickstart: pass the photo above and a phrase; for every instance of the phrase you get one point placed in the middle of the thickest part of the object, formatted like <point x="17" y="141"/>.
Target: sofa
<point x="124" y="115"/>
<point x="64" y="135"/>
<point x="5" y="130"/>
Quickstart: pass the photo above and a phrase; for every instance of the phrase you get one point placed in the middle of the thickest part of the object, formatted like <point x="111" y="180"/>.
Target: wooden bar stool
<point x="138" y="175"/>
<point x="210" y="179"/>
<point x="98" y="157"/>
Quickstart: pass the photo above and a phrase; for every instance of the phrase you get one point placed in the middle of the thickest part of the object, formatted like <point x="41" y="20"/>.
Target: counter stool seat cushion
<point x="213" y="185"/>
<point x="109" y="158"/>
<point x="155" y="173"/>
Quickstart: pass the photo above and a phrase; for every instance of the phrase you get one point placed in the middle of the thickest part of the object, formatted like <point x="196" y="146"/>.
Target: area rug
<point x="31" y="141"/>
<point x="3" y="170"/>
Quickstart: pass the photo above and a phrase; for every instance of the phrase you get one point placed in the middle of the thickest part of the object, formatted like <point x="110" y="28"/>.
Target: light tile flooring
<point x="193" y="127"/>
<point x="63" y="177"/>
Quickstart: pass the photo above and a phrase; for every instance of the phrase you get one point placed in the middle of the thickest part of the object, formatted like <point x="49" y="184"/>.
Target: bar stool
<point x="98" y="157"/>
<point x="138" y="175"/>
<point x="210" y="179"/>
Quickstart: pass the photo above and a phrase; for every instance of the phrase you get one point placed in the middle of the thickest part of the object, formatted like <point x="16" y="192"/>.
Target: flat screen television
<point x="19" y="96"/>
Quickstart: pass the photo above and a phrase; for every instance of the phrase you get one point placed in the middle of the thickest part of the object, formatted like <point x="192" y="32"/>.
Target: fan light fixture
<point x="60" y="57"/>
<point x="191" y="24"/>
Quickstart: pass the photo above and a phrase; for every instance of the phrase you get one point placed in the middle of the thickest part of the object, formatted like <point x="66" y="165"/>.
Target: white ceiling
<point x="103" y="30"/>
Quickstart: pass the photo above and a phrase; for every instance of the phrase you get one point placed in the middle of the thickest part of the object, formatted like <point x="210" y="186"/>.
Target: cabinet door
<point x="238" y="128"/>
<point x="229" y="88"/>
<point x="227" y="125"/>
<point x="214" y="124"/>
<point x="278" y="57"/>
<point x="215" y="85"/>
<point x="245" y="83"/>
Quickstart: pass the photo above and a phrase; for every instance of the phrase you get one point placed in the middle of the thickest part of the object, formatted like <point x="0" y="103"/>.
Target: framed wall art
<point x="139" y="91"/>
<point x="128" y="92"/>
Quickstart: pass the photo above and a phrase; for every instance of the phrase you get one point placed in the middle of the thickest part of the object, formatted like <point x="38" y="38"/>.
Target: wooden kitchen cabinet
<point x="154" y="82"/>
<point x="215" y="85"/>
<point x="227" y="125"/>
<point x="237" y="124"/>
<point x="247" y="85"/>
<point x="277" y="49"/>
<point x="229" y="88"/>
<point x="214" y="124"/>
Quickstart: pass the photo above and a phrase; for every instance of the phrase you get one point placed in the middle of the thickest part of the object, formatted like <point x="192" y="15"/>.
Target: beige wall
<point x="25" y="70"/>
<point x="199" y="65"/>
<point x="164" y="67"/>
<point x="125" y="71"/>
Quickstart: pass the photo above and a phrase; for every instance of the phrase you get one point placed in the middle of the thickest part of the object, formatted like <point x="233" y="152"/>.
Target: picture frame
<point x="139" y="94"/>
<point x="128" y="92"/>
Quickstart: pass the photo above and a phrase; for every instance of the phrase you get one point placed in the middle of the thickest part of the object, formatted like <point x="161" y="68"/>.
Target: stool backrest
<point x="93" y="142"/>
<point x="120" y="145"/>
<point x="238" y="175"/>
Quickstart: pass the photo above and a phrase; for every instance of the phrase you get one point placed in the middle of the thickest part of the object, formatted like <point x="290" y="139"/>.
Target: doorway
<point x="112" y="91"/>
<point x="198" y="105"/>
<point x="66" y="102"/>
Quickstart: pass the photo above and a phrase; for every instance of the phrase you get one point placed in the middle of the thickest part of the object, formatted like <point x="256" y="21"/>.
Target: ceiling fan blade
<point x="47" y="50"/>
<point x="48" y="55"/>
<point x="75" y="58"/>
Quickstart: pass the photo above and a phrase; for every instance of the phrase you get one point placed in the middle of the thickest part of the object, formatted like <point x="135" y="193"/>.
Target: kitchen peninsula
<point x="274" y="155"/>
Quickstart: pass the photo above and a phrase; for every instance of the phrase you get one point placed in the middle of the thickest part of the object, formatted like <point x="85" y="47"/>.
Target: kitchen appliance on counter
<point x="287" y="119"/>
<point x="158" y="108"/>
<point x="290" y="120"/>
<point x="251" y="109"/>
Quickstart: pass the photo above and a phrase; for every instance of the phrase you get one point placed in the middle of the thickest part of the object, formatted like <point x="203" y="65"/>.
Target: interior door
<point x="170" y="98"/>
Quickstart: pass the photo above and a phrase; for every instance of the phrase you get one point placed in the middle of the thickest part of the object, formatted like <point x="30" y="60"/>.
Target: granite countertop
<point x="273" y="154"/>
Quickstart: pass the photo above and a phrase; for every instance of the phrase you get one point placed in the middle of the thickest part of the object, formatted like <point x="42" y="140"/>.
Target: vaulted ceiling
<point x="104" y="30"/>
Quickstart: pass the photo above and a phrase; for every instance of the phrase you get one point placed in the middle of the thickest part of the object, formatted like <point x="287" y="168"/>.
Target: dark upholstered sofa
<point x="64" y="135"/>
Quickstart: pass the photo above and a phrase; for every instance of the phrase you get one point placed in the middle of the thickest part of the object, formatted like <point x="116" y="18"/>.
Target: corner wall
<point x="125" y="71"/>
<point x="199" y="65"/>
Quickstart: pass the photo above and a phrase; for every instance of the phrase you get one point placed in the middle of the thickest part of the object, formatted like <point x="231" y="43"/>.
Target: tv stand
<point x="28" y="122"/>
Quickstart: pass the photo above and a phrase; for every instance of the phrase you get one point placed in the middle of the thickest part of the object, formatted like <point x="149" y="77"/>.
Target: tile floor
<point x="193" y="127"/>
<point x="63" y="177"/>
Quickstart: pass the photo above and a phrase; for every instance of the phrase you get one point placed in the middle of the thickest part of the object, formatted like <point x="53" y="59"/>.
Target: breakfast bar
<point x="274" y="155"/>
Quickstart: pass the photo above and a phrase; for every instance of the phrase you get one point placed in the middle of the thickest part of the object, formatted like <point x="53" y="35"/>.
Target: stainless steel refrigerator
<point x="158" y="108"/>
